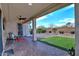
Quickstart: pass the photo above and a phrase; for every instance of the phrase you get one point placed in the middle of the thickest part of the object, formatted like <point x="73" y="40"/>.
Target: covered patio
<point x="14" y="14"/>
<point x="26" y="47"/>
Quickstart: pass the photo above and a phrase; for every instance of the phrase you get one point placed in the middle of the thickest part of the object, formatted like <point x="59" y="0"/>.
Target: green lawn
<point x="63" y="42"/>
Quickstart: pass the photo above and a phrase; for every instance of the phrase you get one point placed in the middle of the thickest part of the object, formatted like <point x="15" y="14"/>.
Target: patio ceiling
<point x="22" y="9"/>
<point x="29" y="11"/>
<point x="48" y="9"/>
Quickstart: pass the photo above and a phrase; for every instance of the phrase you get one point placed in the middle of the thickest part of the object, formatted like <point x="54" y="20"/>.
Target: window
<point x="61" y="32"/>
<point x="4" y="21"/>
<point x="72" y="32"/>
<point x="50" y="32"/>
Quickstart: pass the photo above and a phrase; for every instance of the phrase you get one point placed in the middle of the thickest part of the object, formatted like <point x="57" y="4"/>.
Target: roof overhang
<point x="13" y="10"/>
<point x="47" y="10"/>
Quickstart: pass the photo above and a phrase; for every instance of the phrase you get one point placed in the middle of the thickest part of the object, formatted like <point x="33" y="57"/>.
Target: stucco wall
<point x="11" y="23"/>
<point x="3" y="38"/>
<point x="77" y="29"/>
<point x="26" y="29"/>
<point x="11" y="19"/>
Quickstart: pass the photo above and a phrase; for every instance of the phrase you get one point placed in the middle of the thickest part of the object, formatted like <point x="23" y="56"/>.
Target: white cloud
<point x="59" y="25"/>
<point x="41" y="18"/>
<point x="72" y="20"/>
<point x="63" y="22"/>
<point x="42" y="24"/>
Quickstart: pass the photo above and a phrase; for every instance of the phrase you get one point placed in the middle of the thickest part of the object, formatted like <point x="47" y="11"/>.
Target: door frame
<point x="1" y="43"/>
<point x="20" y="29"/>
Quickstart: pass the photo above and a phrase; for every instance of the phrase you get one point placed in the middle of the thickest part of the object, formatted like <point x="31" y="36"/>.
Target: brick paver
<point x="27" y="47"/>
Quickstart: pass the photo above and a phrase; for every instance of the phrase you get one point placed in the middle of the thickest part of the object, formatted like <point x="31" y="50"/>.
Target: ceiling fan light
<point x="29" y="4"/>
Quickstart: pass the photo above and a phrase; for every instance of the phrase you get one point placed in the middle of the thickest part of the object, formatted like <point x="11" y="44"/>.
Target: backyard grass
<point x="63" y="42"/>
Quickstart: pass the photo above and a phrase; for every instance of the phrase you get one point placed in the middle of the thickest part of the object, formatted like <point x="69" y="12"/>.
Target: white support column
<point x="27" y="29"/>
<point x="34" y="29"/>
<point x="77" y="29"/>
<point x="23" y="30"/>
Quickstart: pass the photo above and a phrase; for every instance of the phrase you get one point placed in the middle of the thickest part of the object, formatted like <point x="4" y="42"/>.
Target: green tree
<point x="31" y="31"/>
<point x="54" y="30"/>
<point x="40" y="30"/>
<point x="68" y="24"/>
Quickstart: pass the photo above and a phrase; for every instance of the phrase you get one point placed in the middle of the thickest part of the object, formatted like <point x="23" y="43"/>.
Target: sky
<point x="57" y="18"/>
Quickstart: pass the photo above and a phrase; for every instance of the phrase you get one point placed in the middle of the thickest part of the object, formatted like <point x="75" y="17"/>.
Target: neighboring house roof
<point x="65" y="29"/>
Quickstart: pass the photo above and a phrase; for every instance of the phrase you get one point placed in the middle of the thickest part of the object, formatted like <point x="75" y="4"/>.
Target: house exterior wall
<point x="11" y="19"/>
<point x="10" y="24"/>
<point x="66" y="30"/>
<point x="77" y="29"/>
<point x="49" y="30"/>
<point x="26" y="29"/>
<point x="3" y="32"/>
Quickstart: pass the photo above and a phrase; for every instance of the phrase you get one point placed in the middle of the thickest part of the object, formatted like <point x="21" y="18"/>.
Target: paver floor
<point x="27" y="47"/>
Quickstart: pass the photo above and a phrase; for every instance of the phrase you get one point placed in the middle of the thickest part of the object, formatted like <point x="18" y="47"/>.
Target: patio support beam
<point x="77" y="29"/>
<point x="34" y="29"/>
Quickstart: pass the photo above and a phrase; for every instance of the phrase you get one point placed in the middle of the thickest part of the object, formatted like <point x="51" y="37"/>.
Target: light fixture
<point x="29" y="4"/>
<point x="21" y="18"/>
